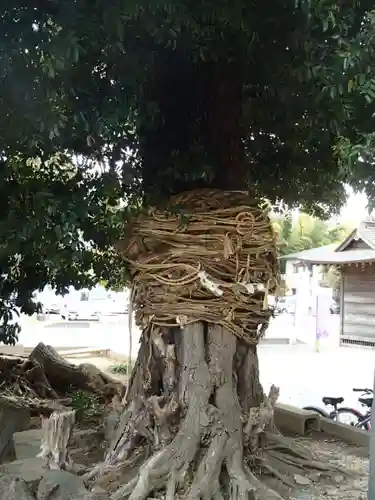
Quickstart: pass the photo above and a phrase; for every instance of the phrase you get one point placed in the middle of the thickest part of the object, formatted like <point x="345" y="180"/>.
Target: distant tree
<point x="305" y="232"/>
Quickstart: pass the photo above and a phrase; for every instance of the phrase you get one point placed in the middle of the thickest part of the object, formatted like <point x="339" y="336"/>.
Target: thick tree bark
<point x="192" y="416"/>
<point x="197" y="424"/>
<point x="199" y="123"/>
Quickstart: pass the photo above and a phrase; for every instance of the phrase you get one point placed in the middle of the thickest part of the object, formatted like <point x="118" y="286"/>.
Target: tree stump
<point x="57" y="431"/>
<point x="13" y="418"/>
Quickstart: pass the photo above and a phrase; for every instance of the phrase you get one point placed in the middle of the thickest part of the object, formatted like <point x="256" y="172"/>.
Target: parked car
<point x="119" y="302"/>
<point x="92" y="304"/>
<point x="51" y="308"/>
<point x="49" y="301"/>
<point x="334" y="308"/>
<point x="74" y="310"/>
<point x="286" y="305"/>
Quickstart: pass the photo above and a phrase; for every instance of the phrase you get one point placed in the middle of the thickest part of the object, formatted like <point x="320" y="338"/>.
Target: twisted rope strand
<point x="219" y="244"/>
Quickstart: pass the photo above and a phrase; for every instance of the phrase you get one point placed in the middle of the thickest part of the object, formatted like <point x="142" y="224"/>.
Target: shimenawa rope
<point x="208" y="256"/>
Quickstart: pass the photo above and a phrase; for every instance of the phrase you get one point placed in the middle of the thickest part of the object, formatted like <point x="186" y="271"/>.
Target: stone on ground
<point x="14" y="488"/>
<point x="61" y="485"/>
<point x="96" y="494"/>
<point x="27" y="443"/>
<point x="30" y="470"/>
<point x="12" y="418"/>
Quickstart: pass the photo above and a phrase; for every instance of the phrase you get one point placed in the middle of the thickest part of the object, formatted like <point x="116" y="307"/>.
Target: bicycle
<point x="361" y="421"/>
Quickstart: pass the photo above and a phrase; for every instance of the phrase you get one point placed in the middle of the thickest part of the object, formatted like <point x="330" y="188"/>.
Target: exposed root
<point x="264" y="492"/>
<point x="206" y="480"/>
<point x="182" y="450"/>
<point x="287" y="445"/>
<point x="276" y="473"/>
<point x="217" y="448"/>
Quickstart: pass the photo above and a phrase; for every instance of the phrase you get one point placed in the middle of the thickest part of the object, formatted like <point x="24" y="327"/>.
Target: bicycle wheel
<point x="350" y="416"/>
<point x="315" y="409"/>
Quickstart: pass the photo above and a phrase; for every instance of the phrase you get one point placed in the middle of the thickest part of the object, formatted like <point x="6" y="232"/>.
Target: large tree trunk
<point x="196" y="423"/>
<point x="195" y="400"/>
<point x="199" y="426"/>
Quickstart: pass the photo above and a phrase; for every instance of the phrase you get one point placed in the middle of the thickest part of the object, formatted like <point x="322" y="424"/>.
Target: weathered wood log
<point x="64" y="376"/>
<point x="57" y="431"/>
<point x="36" y="377"/>
<point x="13" y="418"/>
<point x="59" y="372"/>
<point x="35" y="406"/>
<point x="101" y="383"/>
<point x="25" y="377"/>
<point x="8" y="363"/>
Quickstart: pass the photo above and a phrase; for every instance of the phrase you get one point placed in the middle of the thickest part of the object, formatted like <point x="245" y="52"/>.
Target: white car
<point x="286" y="305"/>
<point x="50" y="302"/>
<point x="80" y="310"/>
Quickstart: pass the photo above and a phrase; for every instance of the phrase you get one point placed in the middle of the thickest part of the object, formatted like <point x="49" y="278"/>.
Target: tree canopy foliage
<point x="166" y="96"/>
<point x="57" y="225"/>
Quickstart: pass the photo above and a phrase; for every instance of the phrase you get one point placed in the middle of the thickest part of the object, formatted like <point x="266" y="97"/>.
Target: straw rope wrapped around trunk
<point x="210" y="256"/>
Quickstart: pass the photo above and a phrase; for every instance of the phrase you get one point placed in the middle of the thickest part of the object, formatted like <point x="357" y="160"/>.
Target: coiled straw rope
<point x="211" y="256"/>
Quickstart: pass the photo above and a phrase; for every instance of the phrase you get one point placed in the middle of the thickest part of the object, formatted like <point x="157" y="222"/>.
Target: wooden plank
<point x="357" y="320"/>
<point x="342" y="303"/>
<point x="351" y="271"/>
<point x="360" y="288"/>
<point x="359" y="332"/>
<point x="367" y="297"/>
<point x="360" y="309"/>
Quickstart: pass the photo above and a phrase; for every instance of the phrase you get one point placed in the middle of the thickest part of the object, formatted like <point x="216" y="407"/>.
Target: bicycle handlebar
<point x="367" y="391"/>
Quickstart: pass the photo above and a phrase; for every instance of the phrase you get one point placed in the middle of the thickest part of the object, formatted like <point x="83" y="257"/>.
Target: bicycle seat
<point x="332" y="401"/>
<point x="366" y="401"/>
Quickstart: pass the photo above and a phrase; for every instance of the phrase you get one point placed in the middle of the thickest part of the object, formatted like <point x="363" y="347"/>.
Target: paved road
<point x="303" y="375"/>
<point x="110" y="333"/>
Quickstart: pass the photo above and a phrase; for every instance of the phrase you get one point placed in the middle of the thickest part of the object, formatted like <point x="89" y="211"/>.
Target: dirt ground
<point x="90" y="447"/>
<point x="353" y="459"/>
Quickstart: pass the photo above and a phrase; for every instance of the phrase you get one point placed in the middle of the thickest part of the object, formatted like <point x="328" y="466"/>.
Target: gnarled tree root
<point x="215" y="453"/>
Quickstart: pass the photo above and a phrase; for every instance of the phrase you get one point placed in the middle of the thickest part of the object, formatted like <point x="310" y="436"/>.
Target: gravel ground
<point x="352" y="486"/>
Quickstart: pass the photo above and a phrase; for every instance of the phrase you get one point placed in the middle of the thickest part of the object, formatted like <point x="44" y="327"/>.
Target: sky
<point x="355" y="209"/>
